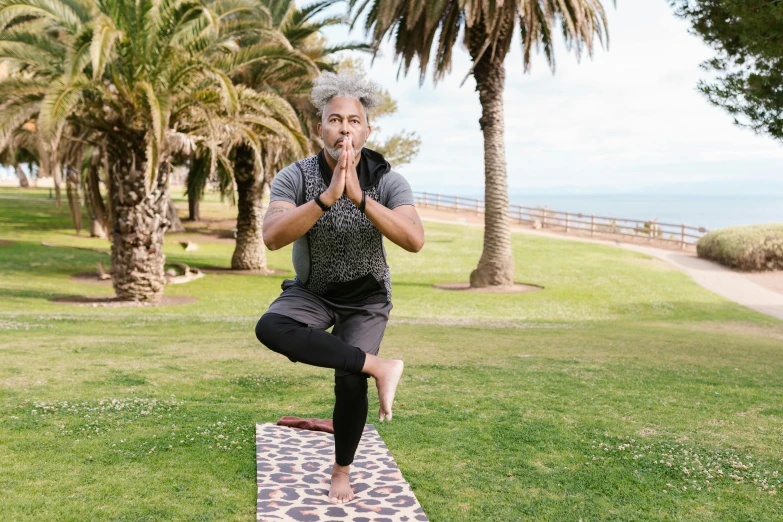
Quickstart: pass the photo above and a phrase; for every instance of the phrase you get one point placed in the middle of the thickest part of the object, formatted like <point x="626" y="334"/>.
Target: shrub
<point x="752" y="247"/>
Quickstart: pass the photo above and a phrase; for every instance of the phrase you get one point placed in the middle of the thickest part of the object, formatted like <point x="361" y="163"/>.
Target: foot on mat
<point x="341" y="491"/>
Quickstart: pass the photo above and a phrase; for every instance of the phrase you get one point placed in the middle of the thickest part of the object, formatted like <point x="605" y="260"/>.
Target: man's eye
<point x="355" y="121"/>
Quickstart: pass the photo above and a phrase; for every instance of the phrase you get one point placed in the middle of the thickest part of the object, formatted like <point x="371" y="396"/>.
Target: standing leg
<point x="363" y="327"/>
<point x="350" y="415"/>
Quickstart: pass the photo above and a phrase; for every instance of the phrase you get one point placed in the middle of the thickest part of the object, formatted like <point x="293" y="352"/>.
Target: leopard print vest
<point x="345" y="247"/>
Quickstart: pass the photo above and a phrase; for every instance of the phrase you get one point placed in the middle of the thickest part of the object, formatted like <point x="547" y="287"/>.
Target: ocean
<point x="710" y="212"/>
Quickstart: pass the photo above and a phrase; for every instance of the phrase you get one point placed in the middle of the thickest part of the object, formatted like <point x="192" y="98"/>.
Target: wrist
<point x="355" y="196"/>
<point x="325" y="205"/>
<point x="327" y="199"/>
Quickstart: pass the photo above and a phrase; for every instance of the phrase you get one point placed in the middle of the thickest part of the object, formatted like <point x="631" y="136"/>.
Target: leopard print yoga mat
<point x="294" y="469"/>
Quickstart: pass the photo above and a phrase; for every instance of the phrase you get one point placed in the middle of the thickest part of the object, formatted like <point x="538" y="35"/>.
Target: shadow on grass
<point x="34" y="214"/>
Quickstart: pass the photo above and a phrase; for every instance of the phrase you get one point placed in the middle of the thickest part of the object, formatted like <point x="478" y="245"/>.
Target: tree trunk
<point x="194" y="210"/>
<point x="198" y="174"/>
<point x="74" y="201"/>
<point x="496" y="265"/>
<point x="138" y="226"/>
<point x="99" y="221"/>
<point x="23" y="181"/>
<point x="249" y="253"/>
<point x="96" y="229"/>
<point x="171" y="213"/>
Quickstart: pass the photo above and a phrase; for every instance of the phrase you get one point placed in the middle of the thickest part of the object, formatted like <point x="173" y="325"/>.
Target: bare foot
<point x="341" y="491"/>
<point x="386" y="381"/>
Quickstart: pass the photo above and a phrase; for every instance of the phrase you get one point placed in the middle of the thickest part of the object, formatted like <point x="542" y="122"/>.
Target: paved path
<point x="712" y="276"/>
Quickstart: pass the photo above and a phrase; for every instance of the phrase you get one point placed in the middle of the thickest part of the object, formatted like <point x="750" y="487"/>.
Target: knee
<point x="266" y="328"/>
<point x="351" y="385"/>
<point x="272" y="330"/>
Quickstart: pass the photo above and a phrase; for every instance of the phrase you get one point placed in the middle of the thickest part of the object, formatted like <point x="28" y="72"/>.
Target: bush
<point x="753" y="247"/>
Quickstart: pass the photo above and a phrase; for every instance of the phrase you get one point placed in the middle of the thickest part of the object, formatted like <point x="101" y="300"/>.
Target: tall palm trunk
<point x="74" y="200"/>
<point x="194" y="207"/>
<point x="23" y="182"/>
<point x="195" y="184"/>
<point x="496" y="265"/>
<point x="249" y="253"/>
<point x="138" y="226"/>
<point x="92" y="196"/>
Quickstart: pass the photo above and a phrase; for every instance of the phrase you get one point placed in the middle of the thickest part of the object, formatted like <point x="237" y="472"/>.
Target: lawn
<point x="622" y="391"/>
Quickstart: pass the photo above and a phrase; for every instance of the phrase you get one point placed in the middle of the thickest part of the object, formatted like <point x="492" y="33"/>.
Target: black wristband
<point x="321" y="204"/>
<point x="364" y="201"/>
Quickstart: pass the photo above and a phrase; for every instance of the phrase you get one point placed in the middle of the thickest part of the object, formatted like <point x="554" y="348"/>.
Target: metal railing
<point x="543" y="217"/>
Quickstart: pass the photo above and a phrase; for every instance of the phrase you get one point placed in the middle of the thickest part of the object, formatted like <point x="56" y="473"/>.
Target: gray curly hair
<point x="348" y="84"/>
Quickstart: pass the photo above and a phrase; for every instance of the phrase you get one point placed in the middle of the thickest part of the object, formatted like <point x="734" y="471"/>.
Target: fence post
<point x="566" y="222"/>
<point x="520" y="214"/>
<point x="477" y="207"/>
<point x="682" y="246"/>
<point x="456" y="202"/>
<point x="426" y="202"/>
<point x="437" y="201"/>
<point x="592" y="225"/>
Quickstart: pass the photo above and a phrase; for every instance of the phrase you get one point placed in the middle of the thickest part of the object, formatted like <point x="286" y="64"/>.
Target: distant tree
<point x="746" y="36"/>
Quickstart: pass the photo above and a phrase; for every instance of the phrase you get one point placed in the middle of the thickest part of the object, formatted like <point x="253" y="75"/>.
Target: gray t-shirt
<point x="287" y="186"/>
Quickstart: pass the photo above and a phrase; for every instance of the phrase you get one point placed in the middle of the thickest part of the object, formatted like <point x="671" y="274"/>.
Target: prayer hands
<point x="345" y="179"/>
<point x="352" y="188"/>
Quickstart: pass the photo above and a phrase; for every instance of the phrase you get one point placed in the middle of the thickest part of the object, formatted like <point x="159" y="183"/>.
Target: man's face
<point x="343" y="118"/>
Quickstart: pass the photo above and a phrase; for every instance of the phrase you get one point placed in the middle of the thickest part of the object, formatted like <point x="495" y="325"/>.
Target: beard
<point x="334" y="152"/>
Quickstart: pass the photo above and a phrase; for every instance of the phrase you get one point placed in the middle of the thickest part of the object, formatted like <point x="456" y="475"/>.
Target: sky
<point x="630" y="119"/>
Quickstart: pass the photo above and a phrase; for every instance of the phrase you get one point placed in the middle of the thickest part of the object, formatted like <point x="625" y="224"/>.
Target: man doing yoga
<point x="336" y="207"/>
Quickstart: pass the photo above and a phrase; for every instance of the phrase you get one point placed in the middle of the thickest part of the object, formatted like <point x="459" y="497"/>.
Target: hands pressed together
<point x="345" y="179"/>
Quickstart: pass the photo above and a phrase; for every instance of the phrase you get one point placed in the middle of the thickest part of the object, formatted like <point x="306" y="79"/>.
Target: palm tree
<point x="136" y="75"/>
<point x="287" y="70"/>
<point x="486" y="29"/>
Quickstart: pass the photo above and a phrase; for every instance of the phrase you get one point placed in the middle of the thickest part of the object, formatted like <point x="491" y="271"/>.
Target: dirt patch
<point x="516" y="288"/>
<point x="229" y="271"/>
<point x="737" y="328"/>
<point x="769" y="280"/>
<point x="90" y="278"/>
<point x="114" y="302"/>
<point x="3" y="242"/>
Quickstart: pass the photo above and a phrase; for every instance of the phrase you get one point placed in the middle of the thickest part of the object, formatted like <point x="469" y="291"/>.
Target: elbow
<point x="416" y="245"/>
<point x="269" y="241"/>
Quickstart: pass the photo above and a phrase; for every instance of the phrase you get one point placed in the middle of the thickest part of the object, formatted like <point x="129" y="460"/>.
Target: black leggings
<point x="301" y="343"/>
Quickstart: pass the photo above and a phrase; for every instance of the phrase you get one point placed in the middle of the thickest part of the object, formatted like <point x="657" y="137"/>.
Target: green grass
<point x="615" y="393"/>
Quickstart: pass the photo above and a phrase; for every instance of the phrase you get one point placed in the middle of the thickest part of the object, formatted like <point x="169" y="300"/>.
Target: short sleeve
<point x="395" y="190"/>
<point x="287" y="185"/>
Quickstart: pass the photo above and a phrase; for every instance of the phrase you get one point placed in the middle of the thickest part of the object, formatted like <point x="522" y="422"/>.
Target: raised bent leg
<point x="313" y="346"/>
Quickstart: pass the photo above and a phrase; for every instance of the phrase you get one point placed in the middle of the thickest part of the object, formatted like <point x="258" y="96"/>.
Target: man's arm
<point x="284" y="222"/>
<point x="401" y="225"/>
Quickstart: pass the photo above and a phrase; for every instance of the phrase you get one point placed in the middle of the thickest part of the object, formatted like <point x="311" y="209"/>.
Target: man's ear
<point x="319" y="128"/>
<point x="369" y="131"/>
